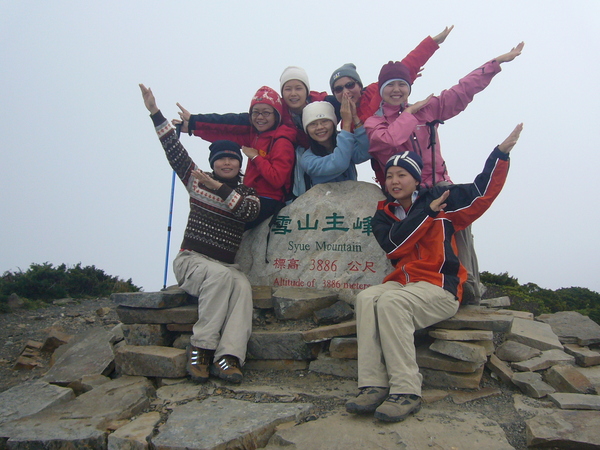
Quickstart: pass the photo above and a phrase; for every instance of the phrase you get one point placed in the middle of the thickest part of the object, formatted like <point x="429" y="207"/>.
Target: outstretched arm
<point x="417" y="58"/>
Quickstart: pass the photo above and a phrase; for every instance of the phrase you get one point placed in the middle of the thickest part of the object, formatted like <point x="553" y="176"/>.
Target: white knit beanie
<point x="294" y="73"/>
<point x="318" y="110"/>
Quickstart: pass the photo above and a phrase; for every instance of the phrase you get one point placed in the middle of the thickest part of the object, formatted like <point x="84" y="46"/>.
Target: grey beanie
<point x="347" y="70"/>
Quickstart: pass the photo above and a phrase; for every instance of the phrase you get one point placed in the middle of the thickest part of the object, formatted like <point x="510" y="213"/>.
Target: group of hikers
<point x="300" y="138"/>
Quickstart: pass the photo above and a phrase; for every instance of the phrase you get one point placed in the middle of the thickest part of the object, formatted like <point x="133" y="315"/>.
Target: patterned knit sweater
<point x="216" y="220"/>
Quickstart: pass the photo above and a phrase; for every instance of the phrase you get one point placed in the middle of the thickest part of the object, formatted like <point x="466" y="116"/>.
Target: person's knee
<point x="392" y="301"/>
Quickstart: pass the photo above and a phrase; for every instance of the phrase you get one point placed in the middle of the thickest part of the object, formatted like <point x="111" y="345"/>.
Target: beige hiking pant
<point x="224" y="303"/>
<point x="387" y="316"/>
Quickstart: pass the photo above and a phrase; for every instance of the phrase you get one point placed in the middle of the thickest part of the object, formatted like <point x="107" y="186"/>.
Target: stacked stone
<point x="551" y="357"/>
<point x="157" y="327"/>
<point x="152" y="324"/>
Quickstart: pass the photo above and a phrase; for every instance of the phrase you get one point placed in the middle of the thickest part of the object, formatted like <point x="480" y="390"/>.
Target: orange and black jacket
<point x="422" y="246"/>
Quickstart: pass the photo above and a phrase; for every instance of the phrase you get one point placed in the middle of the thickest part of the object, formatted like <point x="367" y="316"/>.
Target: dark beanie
<point x="347" y="70"/>
<point x="223" y="149"/>
<point x="409" y="161"/>
<point x="393" y="71"/>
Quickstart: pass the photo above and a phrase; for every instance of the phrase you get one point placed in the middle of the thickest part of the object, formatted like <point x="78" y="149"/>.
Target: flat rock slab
<point x="347" y="368"/>
<point x="566" y="378"/>
<point x="225" y="423"/>
<point x="575" y="401"/>
<point x="155" y="300"/>
<point x="330" y="331"/>
<point x="187" y="314"/>
<point x="463" y="397"/>
<point x="520" y="314"/>
<point x="344" y="348"/>
<point x="531" y="384"/>
<point x="497" y="302"/>
<point x="500" y="368"/>
<point x="136" y="434"/>
<point x="179" y="392"/>
<point x="478" y="318"/>
<point x="31" y="397"/>
<point x="572" y="327"/>
<point x="146" y="334"/>
<point x="307" y="385"/>
<point x="442" y="379"/>
<point x="89" y="353"/>
<point x="151" y="361"/>
<point x="565" y="429"/>
<point x="432" y="429"/>
<point x="301" y="303"/>
<point x="547" y="359"/>
<point x="462" y="335"/>
<point x="80" y="422"/>
<point x="340" y="311"/>
<point x="584" y="357"/>
<point x="433" y="360"/>
<point x="513" y="351"/>
<point x="592" y="374"/>
<point x="279" y="345"/>
<point x="465" y="351"/>
<point x="262" y="297"/>
<point x="535" y="334"/>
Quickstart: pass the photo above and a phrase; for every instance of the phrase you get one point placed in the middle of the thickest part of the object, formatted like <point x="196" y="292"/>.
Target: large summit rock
<point x="322" y="240"/>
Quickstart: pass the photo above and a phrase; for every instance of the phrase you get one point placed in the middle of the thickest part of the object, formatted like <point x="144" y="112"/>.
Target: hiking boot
<point x="397" y="407"/>
<point x="367" y="400"/>
<point x="198" y="361"/>
<point x="227" y="368"/>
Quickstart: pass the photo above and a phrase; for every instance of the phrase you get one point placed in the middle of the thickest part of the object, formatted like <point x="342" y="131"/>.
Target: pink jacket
<point x="391" y="131"/>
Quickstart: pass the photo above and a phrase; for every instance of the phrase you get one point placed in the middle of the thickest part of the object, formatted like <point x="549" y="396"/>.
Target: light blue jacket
<point x="340" y="165"/>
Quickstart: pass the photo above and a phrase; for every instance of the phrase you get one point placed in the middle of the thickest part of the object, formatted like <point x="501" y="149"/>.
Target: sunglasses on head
<point x="349" y="85"/>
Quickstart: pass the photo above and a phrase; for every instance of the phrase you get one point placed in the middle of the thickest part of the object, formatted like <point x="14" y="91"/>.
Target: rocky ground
<point x="73" y="317"/>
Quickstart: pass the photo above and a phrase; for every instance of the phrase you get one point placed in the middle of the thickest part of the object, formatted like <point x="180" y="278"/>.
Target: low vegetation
<point x="530" y="297"/>
<point x="42" y="283"/>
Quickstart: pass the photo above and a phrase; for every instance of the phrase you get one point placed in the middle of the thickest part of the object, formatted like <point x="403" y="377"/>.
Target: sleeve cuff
<point x="158" y="118"/>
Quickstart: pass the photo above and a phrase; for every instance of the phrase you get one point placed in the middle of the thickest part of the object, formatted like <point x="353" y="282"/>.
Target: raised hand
<point x="514" y="52"/>
<point x="415" y="107"/>
<point x="206" y="180"/>
<point x="439" y="203"/>
<point x="443" y="35"/>
<point x="149" y="99"/>
<point x="511" y="140"/>
<point x="184" y="114"/>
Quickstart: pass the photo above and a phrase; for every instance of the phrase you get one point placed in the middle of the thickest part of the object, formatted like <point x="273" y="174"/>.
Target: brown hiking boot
<point x="198" y="361"/>
<point x="367" y="400"/>
<point x="227" y="368"/>
<point x="397" y="407"/>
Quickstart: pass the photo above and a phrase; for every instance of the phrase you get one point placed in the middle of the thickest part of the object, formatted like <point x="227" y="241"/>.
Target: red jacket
<point x="270" y="173"/>
<point x="422" y="245"/>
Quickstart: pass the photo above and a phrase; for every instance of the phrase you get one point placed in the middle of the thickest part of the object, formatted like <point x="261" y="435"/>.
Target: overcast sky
<point x="84" y="178"/>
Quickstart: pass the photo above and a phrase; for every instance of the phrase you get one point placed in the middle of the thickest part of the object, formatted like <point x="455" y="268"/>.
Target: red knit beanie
<point x="268" y="96"/>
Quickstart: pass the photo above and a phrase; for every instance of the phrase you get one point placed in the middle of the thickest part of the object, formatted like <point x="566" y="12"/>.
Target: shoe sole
<point x="236" y="379"/>
<point x="386" y="418"/>
<point x="353" y="408"/>
<point x="198" y="379"/>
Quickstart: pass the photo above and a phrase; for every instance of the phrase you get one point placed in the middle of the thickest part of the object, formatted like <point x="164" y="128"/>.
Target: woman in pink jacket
<point x="399" y="126"/>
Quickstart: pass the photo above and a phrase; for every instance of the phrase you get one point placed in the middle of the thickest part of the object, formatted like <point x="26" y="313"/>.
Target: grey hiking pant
<point x="224" y="303"/>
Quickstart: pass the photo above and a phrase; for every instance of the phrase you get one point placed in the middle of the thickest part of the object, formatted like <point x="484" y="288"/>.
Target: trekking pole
<point x="178" y="131"/>
<point x="431" y="145"/>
